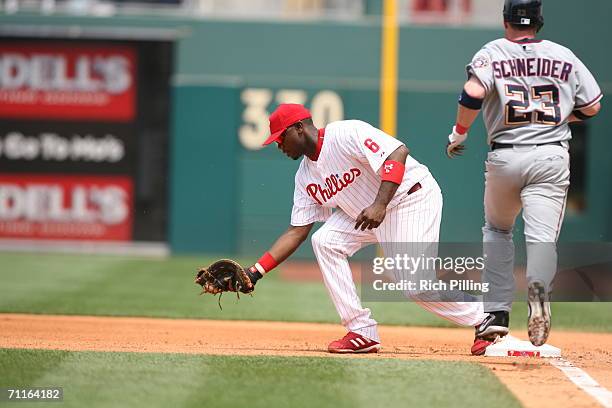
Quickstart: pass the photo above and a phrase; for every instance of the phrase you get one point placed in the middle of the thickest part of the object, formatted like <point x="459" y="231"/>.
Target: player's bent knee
<point x="489" y="229"/>
<point x="320" y="239"/>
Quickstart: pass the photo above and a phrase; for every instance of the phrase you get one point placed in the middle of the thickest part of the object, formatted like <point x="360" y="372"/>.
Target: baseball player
<point x="529" y="91"/>
<point x="379" y="193"/>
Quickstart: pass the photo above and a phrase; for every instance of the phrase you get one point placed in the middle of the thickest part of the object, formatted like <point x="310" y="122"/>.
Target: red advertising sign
<point x="67" y="81"/>
<point x="66" y="207"/>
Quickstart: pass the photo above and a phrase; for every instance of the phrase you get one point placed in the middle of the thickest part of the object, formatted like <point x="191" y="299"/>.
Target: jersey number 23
<point x="549" y="112"/>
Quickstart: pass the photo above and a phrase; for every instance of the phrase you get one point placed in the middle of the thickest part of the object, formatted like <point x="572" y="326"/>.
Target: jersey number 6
<point x="370" y="144"/>
<point x="548" y="114"/>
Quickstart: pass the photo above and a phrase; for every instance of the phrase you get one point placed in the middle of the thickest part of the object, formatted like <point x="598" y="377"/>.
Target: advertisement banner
<point x="67" y="147"/>
<point x="37" y="206"/>
<point x="67" y="81"/>
<point x="84" y="127"/>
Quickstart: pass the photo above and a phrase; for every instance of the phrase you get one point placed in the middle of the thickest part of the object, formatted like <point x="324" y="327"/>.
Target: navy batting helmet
<point x="524" y="13"/>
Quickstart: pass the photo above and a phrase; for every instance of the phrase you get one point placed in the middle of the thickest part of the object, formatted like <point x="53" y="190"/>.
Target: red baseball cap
<point x="284" y="116"/>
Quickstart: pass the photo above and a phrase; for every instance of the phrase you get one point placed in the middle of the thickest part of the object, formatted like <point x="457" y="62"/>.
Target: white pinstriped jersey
<point x="532" y="87"/>
<point x="346" y="174"/>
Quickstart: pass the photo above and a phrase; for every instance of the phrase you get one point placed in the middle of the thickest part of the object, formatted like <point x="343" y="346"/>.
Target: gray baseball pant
<point x="534" y="179"/>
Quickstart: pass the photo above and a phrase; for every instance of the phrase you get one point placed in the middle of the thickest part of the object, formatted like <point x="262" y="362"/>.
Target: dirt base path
<point x="534" y="381"/>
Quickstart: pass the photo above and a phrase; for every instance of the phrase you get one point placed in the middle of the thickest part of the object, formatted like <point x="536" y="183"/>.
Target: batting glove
<point x="455" y="145"/>
<point x="253" y="274"/>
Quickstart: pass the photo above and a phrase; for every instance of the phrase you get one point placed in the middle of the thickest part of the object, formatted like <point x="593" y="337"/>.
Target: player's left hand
<point x="371" y="217"/>
<point x="254" y="275"/>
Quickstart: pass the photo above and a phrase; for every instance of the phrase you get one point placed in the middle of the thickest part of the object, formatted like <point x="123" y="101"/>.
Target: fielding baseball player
<point x="379" y="193"/>
<point x="529" y="91"/>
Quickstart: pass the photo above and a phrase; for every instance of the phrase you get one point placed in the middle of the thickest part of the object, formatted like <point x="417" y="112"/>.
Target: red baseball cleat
<point x="492" y="328"/>
<point x="480" y="346"/>
<point x="353" y="343"/>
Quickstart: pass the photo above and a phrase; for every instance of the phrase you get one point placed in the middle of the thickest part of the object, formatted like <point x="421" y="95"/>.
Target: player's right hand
<point x="371" y="217"/>
<point x="455" y="145"/>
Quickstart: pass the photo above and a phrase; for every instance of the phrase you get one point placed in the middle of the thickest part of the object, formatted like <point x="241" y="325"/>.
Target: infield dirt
<point x="534" y="381"/>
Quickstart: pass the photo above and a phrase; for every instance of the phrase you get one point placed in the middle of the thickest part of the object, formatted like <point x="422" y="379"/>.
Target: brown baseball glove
<point x="222" y="276"/>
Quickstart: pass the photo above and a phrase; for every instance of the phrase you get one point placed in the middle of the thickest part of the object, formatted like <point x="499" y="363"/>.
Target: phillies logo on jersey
<point x="334" y="184"/>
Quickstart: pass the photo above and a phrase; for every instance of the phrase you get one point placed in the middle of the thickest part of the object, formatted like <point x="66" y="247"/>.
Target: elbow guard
<point x="582" y="116"/>
<point x="469" y="101"/>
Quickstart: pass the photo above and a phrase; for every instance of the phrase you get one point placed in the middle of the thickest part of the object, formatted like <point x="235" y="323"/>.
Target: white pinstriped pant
<point x="415" y="219"/>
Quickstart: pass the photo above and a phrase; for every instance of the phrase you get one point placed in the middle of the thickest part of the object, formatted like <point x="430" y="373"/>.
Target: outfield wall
<point x="225" y="197"/>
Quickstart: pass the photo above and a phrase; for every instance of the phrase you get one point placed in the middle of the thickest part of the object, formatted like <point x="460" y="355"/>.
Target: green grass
<point x="119" y="286"/>
<point x="92" y="380"/>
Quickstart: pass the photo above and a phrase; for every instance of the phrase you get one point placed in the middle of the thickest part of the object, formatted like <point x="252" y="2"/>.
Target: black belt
<point x="495" y="146"/>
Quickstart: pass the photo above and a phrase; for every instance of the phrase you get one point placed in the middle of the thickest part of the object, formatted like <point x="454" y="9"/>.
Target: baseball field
<point x="117" y="331"/>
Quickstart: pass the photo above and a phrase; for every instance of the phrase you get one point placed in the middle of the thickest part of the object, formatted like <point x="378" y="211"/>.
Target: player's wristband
<point x="461" y="129"/>
<point x="469" y="101"/>
<point x="393" y="171"/>
<point x="266" y="263"/>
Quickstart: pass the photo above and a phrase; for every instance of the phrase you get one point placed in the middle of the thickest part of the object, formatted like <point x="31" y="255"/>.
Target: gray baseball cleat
<point x="538" y="325"/>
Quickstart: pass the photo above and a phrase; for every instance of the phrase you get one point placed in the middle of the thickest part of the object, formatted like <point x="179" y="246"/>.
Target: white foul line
<point x="584" y="381"/>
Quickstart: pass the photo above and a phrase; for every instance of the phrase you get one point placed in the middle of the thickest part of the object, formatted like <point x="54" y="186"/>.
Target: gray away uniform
<point x="532" y="87"/>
